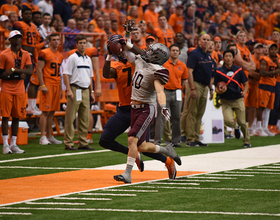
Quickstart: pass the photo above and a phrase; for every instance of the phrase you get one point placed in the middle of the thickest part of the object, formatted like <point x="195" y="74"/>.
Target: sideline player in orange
<point x="269" y="69"/>
<point x="48" y="72"/>
<point x="122" y="71"/>
<point x="14" y="66"/>
<point x="165" y="35"/>
<point x="30" y="36"/>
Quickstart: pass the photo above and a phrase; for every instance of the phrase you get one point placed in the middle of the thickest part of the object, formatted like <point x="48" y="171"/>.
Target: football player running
<point x="122" y="71"/>
<point x="147" y="86"/>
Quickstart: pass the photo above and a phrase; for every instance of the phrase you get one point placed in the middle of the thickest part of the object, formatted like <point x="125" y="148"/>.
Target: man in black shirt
<point x="232" y="95"/>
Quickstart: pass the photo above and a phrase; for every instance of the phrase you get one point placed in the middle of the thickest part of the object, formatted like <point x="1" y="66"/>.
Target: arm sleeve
<point x="130" y="56"/>
<point x="162" y="75"/>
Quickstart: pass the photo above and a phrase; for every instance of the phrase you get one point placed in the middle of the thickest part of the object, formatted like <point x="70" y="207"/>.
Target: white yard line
<point x="188" y="180"/>
<point x="161" y="183"/>
<point x="212" y="188"/>
<point x="15" y="213"/>
<point x="55" y="203"/>
<point x="55" y="155"/>
<point x="212" y="177"/>
<point x="80" y="198"/>
<point x="105" y="194"/>
<point x="149" y="211"/>
<point x="130" y="190"/>
<point x="217" y="174"/>
<point x="252" y="172"/>
<point x="44" y="168"/>
<point x="262" y="169"/>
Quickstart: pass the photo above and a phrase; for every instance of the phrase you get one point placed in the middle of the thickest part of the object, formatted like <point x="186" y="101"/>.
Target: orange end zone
<point x="35" y="187"/>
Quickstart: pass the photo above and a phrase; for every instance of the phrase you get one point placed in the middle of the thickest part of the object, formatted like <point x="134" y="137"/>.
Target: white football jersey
<point x="143" y="89"/>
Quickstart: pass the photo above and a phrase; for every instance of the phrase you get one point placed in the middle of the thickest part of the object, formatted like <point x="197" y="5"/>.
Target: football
<point x="115" y="48"/>
<point x="221" y="85"/>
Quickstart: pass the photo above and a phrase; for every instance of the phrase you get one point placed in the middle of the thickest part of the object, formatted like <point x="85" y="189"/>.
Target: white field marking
<point x="262" y="170"/>
<point x="276" y="164"/>
<point x="55" y="155"/>
<point x="160" y="183"/>
<point x="15" y="213"/>
<point x="55" y="203"/>
<point x="184" y="180"/>
<point x="211" y="177"/>
<point x="81" y="198"/>
<point x="129" y="190"/>
<point x="147" y="211"/>
<point x="105" y="194"/>
<point x="45" y="168"/>
<point x="214" y="174"/>
<point x="272" y="167"/>
<point x="201" y="188"/>
<point x="252" y="172"/>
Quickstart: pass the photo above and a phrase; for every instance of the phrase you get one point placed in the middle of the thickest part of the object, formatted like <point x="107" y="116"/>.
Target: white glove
<point x="165" y="112"/>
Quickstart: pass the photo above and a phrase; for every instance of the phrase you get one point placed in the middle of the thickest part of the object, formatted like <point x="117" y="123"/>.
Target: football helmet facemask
<point x="157" y="54"/>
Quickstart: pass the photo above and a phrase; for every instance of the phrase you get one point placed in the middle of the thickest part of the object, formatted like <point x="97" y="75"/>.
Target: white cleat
<point x="44" y="141"/>
<point x="52" y="140"/>
<point x="90" y="141"/>
<point x="260" y="133"/>
<point x="6" y="149"/>
<point x="268" y="132"/>
<point x="16" y="150"/>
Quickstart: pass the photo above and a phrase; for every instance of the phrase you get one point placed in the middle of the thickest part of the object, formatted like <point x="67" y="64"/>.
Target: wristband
<point x="127" y="34"/>
<point x="42" y="85"/>
<point x="211" y="89"/>
<point x="193" y="88"/>
<point x="129" y="45"/>
<point x="92" y="91"/>
<point x="109" y="57"/>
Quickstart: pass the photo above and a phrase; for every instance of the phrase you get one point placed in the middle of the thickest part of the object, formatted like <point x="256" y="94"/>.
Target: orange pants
<point x="13" y="105"/>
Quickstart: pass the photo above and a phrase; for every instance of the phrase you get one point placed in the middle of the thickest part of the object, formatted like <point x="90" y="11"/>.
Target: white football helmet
<point x="157" y="53"/>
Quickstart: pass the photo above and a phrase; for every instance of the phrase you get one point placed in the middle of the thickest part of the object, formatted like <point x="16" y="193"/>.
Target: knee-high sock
<point x="265" y="117"/>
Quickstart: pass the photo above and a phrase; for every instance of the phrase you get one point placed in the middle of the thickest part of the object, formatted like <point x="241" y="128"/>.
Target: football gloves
<point x="165" y="112"/>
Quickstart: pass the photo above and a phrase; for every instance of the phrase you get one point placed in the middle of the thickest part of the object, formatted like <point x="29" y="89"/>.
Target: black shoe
<point x="85" y="148"/>
<point x="70" y="148"/>
<point x="247" y="145"/>
<point x="183" y="139"/>
<point x="237" y="133"/>
<point x="228" y="136"/>
<point x="200" y="144"/>
<point x="192" y="144"/>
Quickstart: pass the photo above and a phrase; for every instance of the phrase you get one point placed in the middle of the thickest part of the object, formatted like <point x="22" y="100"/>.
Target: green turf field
<point x="251" y="193"/>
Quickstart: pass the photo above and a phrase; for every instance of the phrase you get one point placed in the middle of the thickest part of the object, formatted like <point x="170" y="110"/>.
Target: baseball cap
<point x="14" y="33"/>
<point x="249" y="42"/>
<point x="4" y="18"/>
<point x="258" y="45"/>
<point x="217" y="38"/>
<point x="150" y="38"/>
<point x="273" y="45"/>
<point x="180" y="6"/>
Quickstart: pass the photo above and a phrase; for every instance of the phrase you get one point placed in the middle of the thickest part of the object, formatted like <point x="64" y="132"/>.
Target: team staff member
<point x="232" y="95"/>
<point x="164" y="35"/>
<point x="48" y="71"/>
<point x="93" y="54"/>
<point x="77" y="76"/>
<point x="267" y="83"/>
<point x="122" y="71"/>
<point x="14" y="66"/>
<point x="201" y="71"/>
<point x="173" y="93"/>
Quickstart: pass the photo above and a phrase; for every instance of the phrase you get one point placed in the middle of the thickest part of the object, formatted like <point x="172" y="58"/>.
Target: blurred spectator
<point x="85" y="24"/>
<point x="90" y="28"/>
<point x="189" y="23"/>
<point x="220" y="9"/>
<point x="30" y="4"/>
<point x="54" y="24"/>
<point x="158" y="6"/>
<point x="150" y="40"/>
<point x="45" y="29"/>
<point x="80" y="24"/>
<point x="88" y="6"/>
<point x="108" y="7"/>
<point x="119" y="8"/>
<point x="163" y="34"/>
<point x="223" y="34"/>
<point x="113" y="16"/>
<point x="86" y="15"/>
<point x="180" y="41"/>
<point x="19" y="5"/>
<point x="4" y="22"/>
<point x="70" y="37"/>
<point x="137" y="39"/>
<point x="99" y="6"/>
<point x="122" y="18"/>
<point x="151" y="17"/>
<point x="201" y="9"/>
<point x="199" y="27"/>
<point x="100" y="25"/>
<point x="177" y="20"/>
<point x="167" y="6"/>
<point x="143" y="27"/>
<point x="249" y="17"/>
<point x="6" y="9"/>
<point x="139" y="8"/>
<point x="12" y="18"/>
<point x="132" y="14"/>
<point x="77" y="14"/>
<point x="62" y="11"/>
<point x="46" y="6"/>
<point x="96" y="14"/>
<point x="235" y="18"/>
<point x="213" y="29"/>
<point x="114" y="27"/>
<point x="75" y="2"/>
<point x="107" y="27"/>
<point x="106" y="16"/>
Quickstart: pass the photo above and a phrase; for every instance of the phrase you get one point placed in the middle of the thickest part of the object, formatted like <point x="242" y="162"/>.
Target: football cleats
<point x="157" y="54"/>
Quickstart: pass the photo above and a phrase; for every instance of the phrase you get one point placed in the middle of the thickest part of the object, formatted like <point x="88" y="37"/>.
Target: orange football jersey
<point x="270" y="66"/>
<point x="29" y="35"/>
<point x="245" y="54"/>
<point x="51" y="70"/>
<point x="164" y="38"/>
<point x="124" y="81"/>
